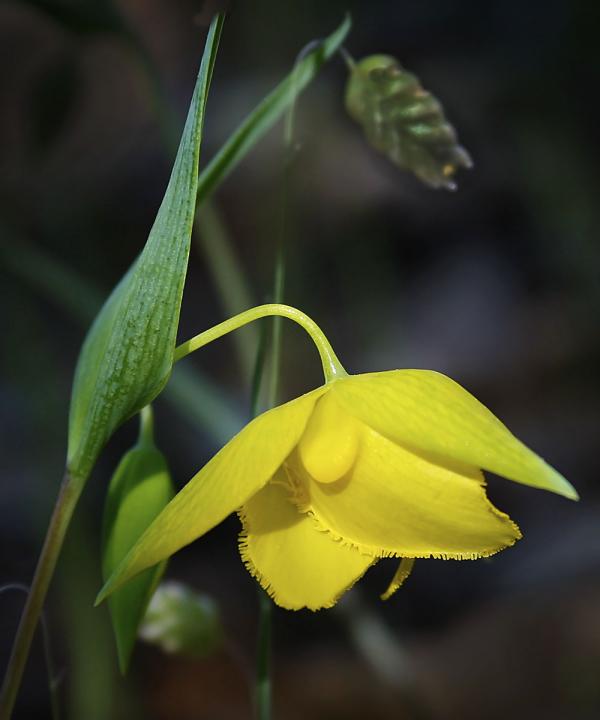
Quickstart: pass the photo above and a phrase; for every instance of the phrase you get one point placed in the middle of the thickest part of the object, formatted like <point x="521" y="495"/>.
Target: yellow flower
<point x="365" y="467"/>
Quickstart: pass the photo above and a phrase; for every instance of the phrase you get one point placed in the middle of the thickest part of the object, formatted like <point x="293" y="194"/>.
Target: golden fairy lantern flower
<point x="370" y="466"/>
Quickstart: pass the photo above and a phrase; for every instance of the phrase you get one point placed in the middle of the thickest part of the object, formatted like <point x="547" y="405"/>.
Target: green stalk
<point x="263" y="659"/>
<point x="279" y="271"/>
<point x="263" y="685"/>
<point x="226" y="272"/>
<point x="263" y="668"/>
<point x="53" y="681"/>
<point x="332" y="367"/>
<point x="263" y="692"/>
<point x="50" y="671"/>
<point x="70" y="490"/>
<point x="262" y="689"/>
<point x="278" y="290"/>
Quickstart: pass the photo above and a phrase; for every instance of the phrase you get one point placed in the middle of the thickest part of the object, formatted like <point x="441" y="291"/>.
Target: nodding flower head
<point x="372" y="466"/>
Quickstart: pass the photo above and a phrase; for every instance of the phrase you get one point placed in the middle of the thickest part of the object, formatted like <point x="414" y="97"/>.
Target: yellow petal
<point x="329" y="445"/>
<point x="295" y="562"/>
<point x="224" y="484"/>
<point x="404" y="570"/>
<point x="424" y="409"/>
<point x="396" y="502"/>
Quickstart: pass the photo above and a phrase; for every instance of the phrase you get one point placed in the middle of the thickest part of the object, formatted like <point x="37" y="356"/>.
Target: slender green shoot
<point x="53" y="677"/>
<point x="63" y="510"/>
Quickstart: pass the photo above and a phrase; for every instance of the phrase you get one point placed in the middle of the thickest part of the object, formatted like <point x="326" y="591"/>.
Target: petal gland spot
<point x="329" y="446"/>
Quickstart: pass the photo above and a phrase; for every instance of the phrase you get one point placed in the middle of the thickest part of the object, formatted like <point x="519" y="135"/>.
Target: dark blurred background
<point x="496" y="285"/>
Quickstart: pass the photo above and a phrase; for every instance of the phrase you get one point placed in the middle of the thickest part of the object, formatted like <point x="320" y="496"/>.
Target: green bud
<point x="183" y="622"/>
<point x="127" y="356"/>
<point x="404" y="121"/>
<point x="138" y="491"/>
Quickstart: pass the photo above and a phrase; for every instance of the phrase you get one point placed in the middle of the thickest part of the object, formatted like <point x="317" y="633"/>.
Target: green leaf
<point x="138" y="491"/>
<point x="127" y="356"/>
<point x="190" y="392"/>
<point x="268" y="111"/>
<point x="404" y="121"/>
<point x="182" y="622"/>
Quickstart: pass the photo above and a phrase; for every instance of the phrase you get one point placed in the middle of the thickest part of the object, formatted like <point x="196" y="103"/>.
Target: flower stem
<point x="278" y="286"/>
<point x="263" y="660"/>
<point x="53" y="679"/>
<point x="332" y="367"/>
<point x="263" y="698"/>
<point x="68" y="496"/>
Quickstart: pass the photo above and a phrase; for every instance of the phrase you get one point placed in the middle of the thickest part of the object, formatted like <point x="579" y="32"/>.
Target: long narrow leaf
<point x="268" y="111"/>
<point x="189" y="391"/>
<point x="127" y="357"/>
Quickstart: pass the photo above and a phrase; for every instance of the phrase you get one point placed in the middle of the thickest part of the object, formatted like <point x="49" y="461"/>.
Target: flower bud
<point x="404" y="121"/>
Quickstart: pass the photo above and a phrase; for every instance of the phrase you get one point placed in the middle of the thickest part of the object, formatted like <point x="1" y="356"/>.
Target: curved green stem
<point x="332" y="367"/>
<point x="68" y="496"/>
